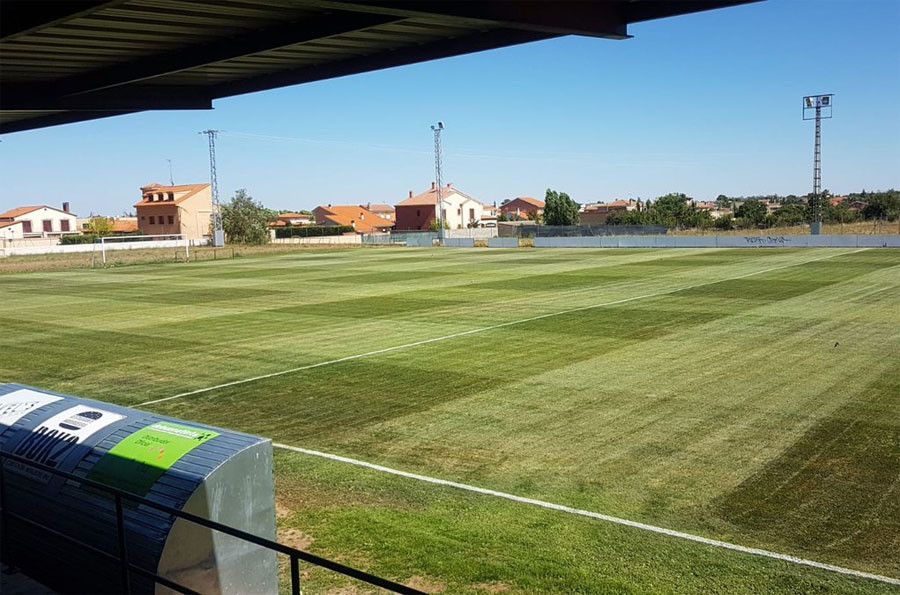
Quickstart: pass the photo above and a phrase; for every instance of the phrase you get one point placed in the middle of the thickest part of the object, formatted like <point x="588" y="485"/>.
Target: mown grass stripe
<point x="482" y="330"/>
<point x="598" y="516"/>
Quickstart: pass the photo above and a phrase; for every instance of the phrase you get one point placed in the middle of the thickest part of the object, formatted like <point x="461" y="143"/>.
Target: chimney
<point x="66" y="207"/>
<point x="410" y="193"/>
<point x="449" y="185"/>
<point x="432" y="185"/>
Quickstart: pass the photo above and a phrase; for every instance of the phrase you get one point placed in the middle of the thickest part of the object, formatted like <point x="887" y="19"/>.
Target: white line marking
<point x="599" y="516"/>
<point x="480" y="330"/>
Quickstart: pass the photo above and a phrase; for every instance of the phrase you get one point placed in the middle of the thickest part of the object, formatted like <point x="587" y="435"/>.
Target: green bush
<point x="307" y="231"/>
<point x="87" y="238"/>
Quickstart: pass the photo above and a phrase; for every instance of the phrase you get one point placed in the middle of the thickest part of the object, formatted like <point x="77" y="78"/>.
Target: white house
<point x="458" y="210"/>
<point x="42" y="221"/>
<point x="11" y="230"/>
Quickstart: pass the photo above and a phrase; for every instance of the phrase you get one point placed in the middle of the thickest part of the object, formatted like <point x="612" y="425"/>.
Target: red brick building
<point x="522" y="208"/>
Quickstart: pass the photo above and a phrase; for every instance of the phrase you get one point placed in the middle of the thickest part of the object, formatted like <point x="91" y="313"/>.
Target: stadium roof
<point x="65" y="61"/>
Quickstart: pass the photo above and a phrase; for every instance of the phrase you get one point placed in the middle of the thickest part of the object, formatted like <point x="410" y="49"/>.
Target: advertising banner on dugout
<point x="135" y="463"/>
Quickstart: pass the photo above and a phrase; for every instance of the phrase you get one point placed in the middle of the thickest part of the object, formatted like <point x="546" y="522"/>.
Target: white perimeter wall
<point x="786" y="241"/>
<point x="23" y="250"/>
<point x="332" y="240"/>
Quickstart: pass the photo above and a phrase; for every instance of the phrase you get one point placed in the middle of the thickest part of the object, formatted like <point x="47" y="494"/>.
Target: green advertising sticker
<point x="135" y="463"/>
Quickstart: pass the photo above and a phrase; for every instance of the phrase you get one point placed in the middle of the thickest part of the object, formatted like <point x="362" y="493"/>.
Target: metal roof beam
<point x="557" y="17"/>
<point x="55" y="120"/>
<point x="193" y="57"/>
<point x="18" y="17"/>
<point x="156" y="99"/>
<point x="443" y="48"/>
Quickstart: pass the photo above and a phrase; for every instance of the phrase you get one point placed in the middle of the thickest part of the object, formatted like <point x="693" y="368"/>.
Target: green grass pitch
<point x="751" y="396"/>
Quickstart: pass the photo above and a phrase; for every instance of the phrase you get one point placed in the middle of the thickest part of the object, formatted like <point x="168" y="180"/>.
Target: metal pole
<point x="4" y="522"/>
<point x="123" y="549"/>
<point x="817" y="169"/>
<point x="438" y="179"/>
<point x="171" y="178"/>
<point x="218" y="232"/>
<point x="295" y="576"/>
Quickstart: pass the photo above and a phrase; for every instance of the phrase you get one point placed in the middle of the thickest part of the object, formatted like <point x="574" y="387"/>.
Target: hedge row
<point x="88" y="238"/>
<point x="307" y="231"/>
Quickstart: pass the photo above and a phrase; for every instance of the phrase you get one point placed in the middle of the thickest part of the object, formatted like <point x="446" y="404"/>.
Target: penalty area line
<point x="597" y="516"/>
<point x="482" y="329"/>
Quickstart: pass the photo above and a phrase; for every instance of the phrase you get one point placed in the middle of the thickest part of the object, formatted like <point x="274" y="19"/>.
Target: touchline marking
<point x="479" y="330"/>
<point x="598" y="516"/>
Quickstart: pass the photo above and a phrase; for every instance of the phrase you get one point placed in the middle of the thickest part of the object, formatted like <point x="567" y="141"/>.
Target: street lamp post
<point x="820" y="106"/>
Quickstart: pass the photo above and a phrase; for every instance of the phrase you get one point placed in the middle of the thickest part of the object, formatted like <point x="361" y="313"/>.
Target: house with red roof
<point x="39" y="221"/>
<point x="184" y="209"/>
<point x="598" y="213"/>
<point x="359" y="218"/>
<point x="522" y="208"/>
<point x="385" y="211"/>
<point x="459" y="210"/>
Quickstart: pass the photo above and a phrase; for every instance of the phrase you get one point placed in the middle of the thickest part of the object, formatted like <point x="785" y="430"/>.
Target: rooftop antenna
<point x="437" y="128"/>
<point x="820" y="106"/>
<point x="218" y="231"/>
<point x="171" y="179"/>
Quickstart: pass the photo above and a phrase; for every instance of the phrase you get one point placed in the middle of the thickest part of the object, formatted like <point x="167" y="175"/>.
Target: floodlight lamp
<point x="809" y="101"/>
<point x="441" y="125"/>
<point x="826" y="100"/>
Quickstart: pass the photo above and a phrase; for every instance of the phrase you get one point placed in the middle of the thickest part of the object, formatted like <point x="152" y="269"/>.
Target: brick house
<point x="359" y="218"/>
<point x="598" y="213"/>
<point x="459" y="210"/>
<point x="184" y="209"/>
<point x="522" y="208"/>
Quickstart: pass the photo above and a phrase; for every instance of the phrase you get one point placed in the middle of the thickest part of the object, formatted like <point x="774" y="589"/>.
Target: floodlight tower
<point x="218" y="231"/>
<point x="437" y="128"/>
<point x="820" y="106"/>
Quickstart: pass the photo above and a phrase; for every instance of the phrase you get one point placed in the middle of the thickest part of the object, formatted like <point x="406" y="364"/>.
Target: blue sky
<point x="702" y="104"/>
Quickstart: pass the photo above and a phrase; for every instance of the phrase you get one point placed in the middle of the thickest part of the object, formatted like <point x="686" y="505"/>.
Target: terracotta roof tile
<point x="429" y="197"/>
<point x="19" y="211"/>
<point x="190" y="189"/>
<point x="360" y="218"/>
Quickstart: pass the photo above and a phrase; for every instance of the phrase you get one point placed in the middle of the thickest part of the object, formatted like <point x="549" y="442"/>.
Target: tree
<point x="246" y="221"/>
<point x="882" y="205"/>
<point x="791" y="214"/>
<point x="752" y="212"/>
<point x="100" y="226"/>
<point x="559" y="209"/>
<point x="725" y="222"/>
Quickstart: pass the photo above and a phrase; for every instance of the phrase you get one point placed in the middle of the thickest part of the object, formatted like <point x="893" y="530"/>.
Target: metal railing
<point x="121" y="556"/>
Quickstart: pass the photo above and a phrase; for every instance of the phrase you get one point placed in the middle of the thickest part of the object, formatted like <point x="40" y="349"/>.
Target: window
<point x="63" y="225"/>
<point x="171" y="197"/>
<point x="459" y="211"/>
<point x="26" y="227"/>
<point x="48" y="224"/>
<point x="152" y="220"/>
<point x="143" y="218"/>
<point x="471" y="214"/>
<point x="171" y="219"/>
<point x="418" y="212"/>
